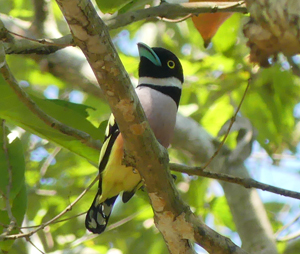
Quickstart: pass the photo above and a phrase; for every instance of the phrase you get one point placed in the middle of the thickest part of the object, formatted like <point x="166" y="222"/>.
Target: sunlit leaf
<point x="12" y="109"/>
<point x="227" y="33"/>
<point x="269" y="104"/>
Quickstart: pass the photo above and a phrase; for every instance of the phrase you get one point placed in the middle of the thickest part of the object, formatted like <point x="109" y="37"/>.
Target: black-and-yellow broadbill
<point x="159" y="91"/>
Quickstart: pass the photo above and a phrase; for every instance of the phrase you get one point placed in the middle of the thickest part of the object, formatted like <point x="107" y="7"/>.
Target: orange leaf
<point x="208" y="24"/>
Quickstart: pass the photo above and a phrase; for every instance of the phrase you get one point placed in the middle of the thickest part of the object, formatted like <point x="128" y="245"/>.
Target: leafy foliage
<point x="12" y="184"/>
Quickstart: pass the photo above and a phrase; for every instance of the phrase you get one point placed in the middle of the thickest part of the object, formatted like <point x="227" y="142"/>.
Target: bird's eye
<point x="171" y="64"/>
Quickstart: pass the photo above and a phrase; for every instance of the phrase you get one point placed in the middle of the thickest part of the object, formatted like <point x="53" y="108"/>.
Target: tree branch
<point x="28" y="45"/>
<point x="246" y="182"/>
<point x="173" y="11"/>
<point x="172" y="217"/>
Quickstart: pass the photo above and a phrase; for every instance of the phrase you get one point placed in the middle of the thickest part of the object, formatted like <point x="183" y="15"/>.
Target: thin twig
<point x="177" y="20"/>
<point x="109" y="228"/>
<point x="68" y="208"/>
<point x="52" y="122"/>
<point x="54" y="222"/>
<point x="229" y="6"/>
<point x="289" y="237"/>
<point x="246" y="182"/>
<point x="286" y="226"/>
<point x="48" y="161"/>
<point x="28" y="240"/>
<point x="229" y="128"/>
<point x="44" y="41"/>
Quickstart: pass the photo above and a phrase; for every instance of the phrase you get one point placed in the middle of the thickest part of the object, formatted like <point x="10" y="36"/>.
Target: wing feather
<point x="111" y="133"/>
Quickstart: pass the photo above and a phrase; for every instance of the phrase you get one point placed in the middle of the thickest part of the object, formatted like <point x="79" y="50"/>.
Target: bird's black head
<point x="159" y="63"/>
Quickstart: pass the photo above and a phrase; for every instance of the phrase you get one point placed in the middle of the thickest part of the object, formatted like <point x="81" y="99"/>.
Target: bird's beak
<point x="148" y="52"/>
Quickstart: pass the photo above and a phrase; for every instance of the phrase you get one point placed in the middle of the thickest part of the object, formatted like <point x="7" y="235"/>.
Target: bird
<point x="159" y="91"/>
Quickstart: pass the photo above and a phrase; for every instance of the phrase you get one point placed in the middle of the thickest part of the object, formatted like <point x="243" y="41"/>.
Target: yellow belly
<point x="117" y="177"/>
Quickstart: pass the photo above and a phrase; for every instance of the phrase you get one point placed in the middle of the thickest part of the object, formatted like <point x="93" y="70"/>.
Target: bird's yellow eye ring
<point x="171" y="64"/>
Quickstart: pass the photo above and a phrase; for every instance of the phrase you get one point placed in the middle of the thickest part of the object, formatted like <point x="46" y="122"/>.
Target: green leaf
<point x="274" y="207"/>
<point x="226" y="36"/>
<point x="221" y="212"/>
<point x="79" y="108"/>
<point x="14" y="162"/>
<point x="28" y="70"/>
<point x="134" y="5"/>
<point x="269" y="105"/>
<point x="71" y="114"/>
<point x="102" y="127"/>
<point x="217" y="115"/>
<point x="111" y="6"/>
<point x="22" y="9"/>
<point x="18" y="210"/>
<point x="196" y="194"/>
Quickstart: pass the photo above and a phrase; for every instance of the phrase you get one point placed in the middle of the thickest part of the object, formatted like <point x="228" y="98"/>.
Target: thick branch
<point x="173" y="218"/>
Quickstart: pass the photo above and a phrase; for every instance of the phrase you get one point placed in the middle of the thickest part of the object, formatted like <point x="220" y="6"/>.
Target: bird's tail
<point x="97" y="216"/>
